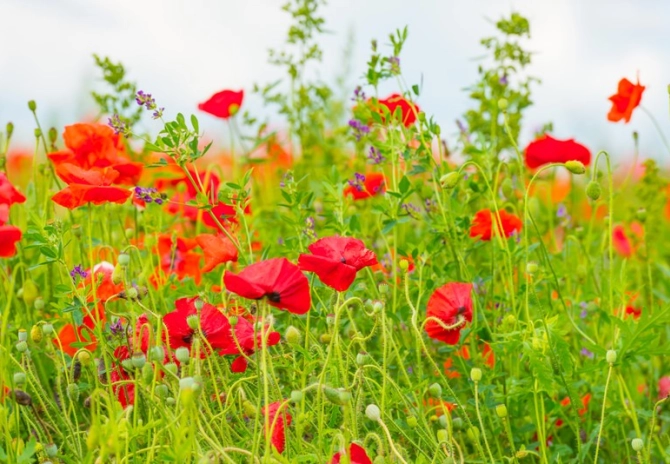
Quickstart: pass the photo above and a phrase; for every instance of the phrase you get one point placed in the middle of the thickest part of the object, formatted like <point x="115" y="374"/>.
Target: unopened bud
<point x="38" y="133"/>
<point x="21" y="347"/>
<point x="362" y="358"/>
<point x="337" y="396"/>
<point x="297" y="396"/>
<point x="172" y="368"/>
<point x="84" y="357"/>
<point x="435" y="390"/>
<point x="293" y="336"/>
<point x="147" y="372"/>
<point x="118" y="274"/>
<point x="593" y="190"/>
<point x="32" y="106"/>
<point x="473" y="434"/>
<point x="51" y="450"/>
<point x="575" y="167"/>
<point x="373" y="413"/>
<point x="36" y="334"/>
<point x="507" y="188"/>
<point x="611" y="356"/>
<point x="232" y="320"/>
<point x="503" y="104"/>
<point x="476" y="374"/>
<point x="38" y="304"/>
<point x="193" y="321"/>
<point x="249" y="408"/>
<point x="531" y="268"/>
<point x="501" y="411"/>
<point x="637" y="444"/>
<point x="641" y="214"/>
<point x="47" y="328"/>
<point x="162" y="390"/>
<point x="19" y="379"/>
<point x="457" y="423"/>
<point x="182" y="354"/>
<point x="325" y="338"/>
<point x="10" y="129"/>
<point x="130" y="232"/>
<point x="139" y="359"/>
<point x="73" y="391"/>
<point x="124" y="259"/>
<point x="412" y="421"/>
<point x="450" y="180"/>
<point x="199" y="304"/>
<point x="404" y="265"/>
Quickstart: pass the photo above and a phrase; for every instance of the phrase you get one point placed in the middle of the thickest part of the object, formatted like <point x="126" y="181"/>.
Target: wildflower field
<point x="334" y="283"/>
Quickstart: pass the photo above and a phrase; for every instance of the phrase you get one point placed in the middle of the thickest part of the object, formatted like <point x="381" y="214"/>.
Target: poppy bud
<point x="193" y="321"/>
<point x="53" y="135"/>
<point x="39" y="303"/>
<point x="21" y="347"/>
<point x="10" y="129"/>
<point x="36" y="334"/>
<point x="637" y="444"/>
<point x="182" y="354"/>
<point x="147" y="372"/>
<point x="297" y="396"/>
<point x="412" y="421"/>
<point x="377" y="306"/>
<point x="373" y="413"/>
<point x="522" y="453"/>
<point x="501" y="411"/>
<point x="32" y="106"/>
<point x="84" y="357"/>
<point x="127" y="364"/>
<point x="72" y="391"/>
<point x="473" y="434"/>
<point x="232" y="320"/>
<point x="162" y="390"/>
<point x="503" y="104"/>
<point x="19" y="379"/>
<point x="337" y="396"/>
<point x="581" y="271"/>
<point x="124" y="259"/>
<point x="325" y="338"/>
<point x="450" y="180"/>
<point x="156" y="353"/>
<point x="170" y="401"/>
<point x="117" y="274"/>
<point x="442" y="436"/>
<point x="531" y="268"/>
<point x="641" y="214"/>
<point x="249" y="408"/>
<point x="139" y="359"/>
<point x="51" y="450"/>
<point x="383" y="288"/>
<point x="293" y="336"/>
<point x="21" y="397"/>
<point x="476" y="374"/>
<point x="199" y="304"/>
<point x="457" y="423"/>
<point x="38" y="133"/>
<point x="610" y="356"/>
<point x="362" y="358"/>
<point x="404" y="265"/>
<point x="330" y="320"/>
<point x="30" y="292"/>
<point x="593" y="190"/>
<point x="435" y="390"/>
<point x="575" y="167"/>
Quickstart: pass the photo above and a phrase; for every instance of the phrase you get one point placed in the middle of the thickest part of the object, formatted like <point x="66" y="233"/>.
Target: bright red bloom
<point x="9" y="235"/>
<point x="408" y="109"/>
<point x="218" y="249"/>
<point x="621" y="241"/>
<point x="8" y="193"/>
<point x="357" y="455"/>
<point x="88" y="186"/>
<point x="626" y="99"/>
<point x="374" y="184"/>
<point x="482" y="224"/>
<point x="547" y="149"/>
<point x="97" y="146"/>
<point x="336" y="260"/>
<point x="451" y="304"/>
<point x="223" y="104"/>
<point x="176" y="257"/>
<point x="276" y="423"/>
<point x="281" y="281"/>
<point x="664" y="387"/>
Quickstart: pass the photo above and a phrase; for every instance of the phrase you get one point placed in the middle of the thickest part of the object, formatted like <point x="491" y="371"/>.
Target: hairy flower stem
<point x="481" y="423"/>
<point x="602" y="413"/>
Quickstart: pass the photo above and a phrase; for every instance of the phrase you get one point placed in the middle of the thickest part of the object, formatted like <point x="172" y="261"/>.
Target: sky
<point x="182" y="51"/>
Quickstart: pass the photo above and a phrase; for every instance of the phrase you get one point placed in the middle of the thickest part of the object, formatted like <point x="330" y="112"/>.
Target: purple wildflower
<point x="358" y="181"/>
<point x="394" y="61"/>
<point x="78" y="271"/>
<point x="146" y="100"/>
<point x="116" y="328"/>
<point x="375" y="156"/>
<point x="586" y="353"/>
<point x="119" y="126"/>
<point x="410" y="208"/>
<point x="584" y="312"/>
<point x="503" y="80"/>
<point x="149" y="195"/>
<point x="358" y="94"/>
<point x="310" y="226"/>
<point x="359" y="128"/>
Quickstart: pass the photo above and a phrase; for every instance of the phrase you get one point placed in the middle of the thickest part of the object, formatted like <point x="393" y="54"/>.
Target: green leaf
<point x="194" y="123"/>
<point x="48" y="252"/>
<point x="404" y="185"/>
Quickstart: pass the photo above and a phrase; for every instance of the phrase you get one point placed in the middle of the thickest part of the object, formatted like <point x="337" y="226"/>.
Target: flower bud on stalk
<point x="593" y="190"/>
<point x="476" y="374"/>
<point x="611" y="356"/>
<point x="450" y="180"/>
<point x="293" y="336"/>
<point x="36" y="334"/>
<point x="435" y="390"/>
<point x="373" y="413"/>
<point x="575" y="167"/>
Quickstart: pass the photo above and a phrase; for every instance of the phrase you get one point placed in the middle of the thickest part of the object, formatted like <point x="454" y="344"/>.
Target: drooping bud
<point x="325" y="338"/>
<point x="156" y="353"/>
<point x="412" y="421"/>
<point x="507" y="188"/>
<point x="575" y="167"/>
<point x="124" y="259"/>
<point x="373" y="413"/>
<point x="147" y="373"/>
<point x="193" y="321"/>
<point x="162" y="390"/>
<point x="249" y="408"/>
<point x="84" y="357"/>
<point x="473" y="434"/>
<point x="593" y="190"/>
<point x="32" y="106"/>
<point x="118" y="274"/>
<point x="442" y="436"/>
<point x="450" y="180"/>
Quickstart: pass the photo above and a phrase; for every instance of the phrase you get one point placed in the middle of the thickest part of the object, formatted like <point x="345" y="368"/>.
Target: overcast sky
<point x="184" y="50"/>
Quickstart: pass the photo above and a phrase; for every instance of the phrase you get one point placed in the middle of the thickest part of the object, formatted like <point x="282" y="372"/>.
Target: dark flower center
<point x="343" y="260"/>
<point x="273" y="296"/>
<point x="461" y="310"/>
<point x="187" y="338"/>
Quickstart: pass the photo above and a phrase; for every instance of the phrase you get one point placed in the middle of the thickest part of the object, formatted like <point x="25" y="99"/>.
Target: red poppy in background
<point x="408" y="109"/>
<point x="482" y="224"/>
<point x="223" y="104"/>
<point x="626" y="99"/>
<point x="366" y="186"/>
<point x="8" y="193"/>
<point x="621" y="241"/>
<point x="281" y="281"/>
<point x="664" y="387"/>
<point x="218" y="249"/>
<point x="547" y="149"/>
<point x="97" y="146"/>
<point x="9" y="235"/>
<point x="357" y="455"/>
<point x="88" y="186"/>
<point x="451" y="304"/>
<point x="336" y="260"/>
<point x="176" y="256"/>
<point x="124" y="390"/>
<point x="276" y="423"/>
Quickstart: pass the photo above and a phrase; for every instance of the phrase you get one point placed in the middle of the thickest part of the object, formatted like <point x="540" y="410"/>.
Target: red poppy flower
<point x="8" y="193"/>
<point x="336" y="260"/>
<point x="482" y="224"/>
<point x="357" y="455"/>
<point x="451" y="304"/>
<point x="281" y="281"/>
<point x="175" y="256"/>
<point x="88" y="186"/>
<point x="68" y="335"/>
<point x="97" y="146"/>
<point x="9" y="235"/>
<point x="218" y="249"/>
<point x="408" y="109"/>
<point x="276" y="423"/>
<point x="372" y="184"/>
<point x="622" y="242"/>
<point x="664" y="387"/>
<point x="547" y="149"/>
<point x="626" y="99"/>
<point x="124" y="390"/>
<point x="223" y="104"/>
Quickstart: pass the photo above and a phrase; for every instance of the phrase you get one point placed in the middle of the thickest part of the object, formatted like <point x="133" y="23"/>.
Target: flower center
<point x="273" y="297"/>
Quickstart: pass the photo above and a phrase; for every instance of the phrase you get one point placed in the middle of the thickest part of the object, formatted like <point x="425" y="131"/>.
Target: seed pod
<point x="21" y="397"/>
<point x="297" y="396"/>
<point x="637" y="444"/>
<point x="51" y="450"/>
<point x="36" y="334"/>
<point x="412" y="421"/>
<point x="39" y="303"/>
<point x="501" y="410"/>
<point x="362" y="358"/>
<point x="124" y="259"/>
<point x="76" y="370"/>
<point x="182" y="355"/>
<point x="47" y="328"/>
